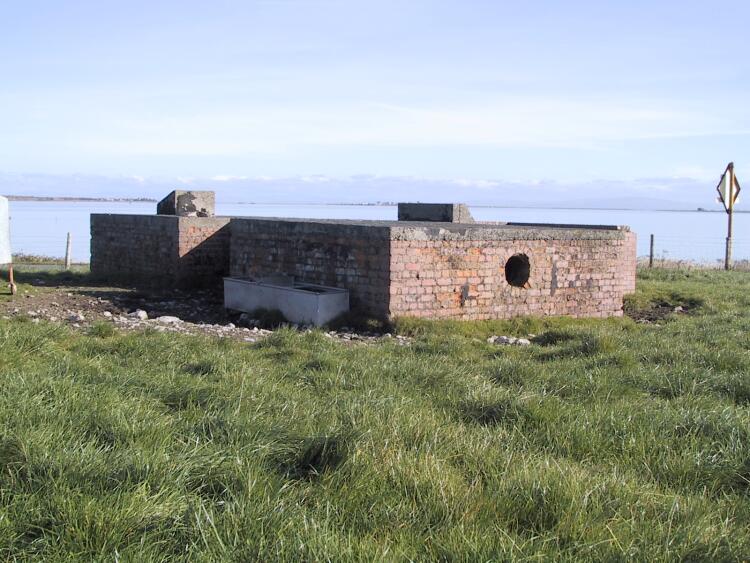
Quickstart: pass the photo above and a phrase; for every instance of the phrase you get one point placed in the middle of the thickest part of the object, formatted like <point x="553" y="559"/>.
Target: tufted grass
<point x="605" y="440"/>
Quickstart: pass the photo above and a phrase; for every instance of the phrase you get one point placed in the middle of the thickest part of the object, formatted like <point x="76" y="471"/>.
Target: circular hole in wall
<point x="518" y="270"/>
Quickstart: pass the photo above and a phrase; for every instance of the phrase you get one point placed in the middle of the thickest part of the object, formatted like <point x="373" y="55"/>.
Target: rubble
<point x="508" y="340"/>
<point x="168" y="320"/>
<point x="198" y="312"/>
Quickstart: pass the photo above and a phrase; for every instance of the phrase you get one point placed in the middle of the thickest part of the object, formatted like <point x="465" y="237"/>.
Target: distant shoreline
<point x="72" y="199"/>
<point x="80" y="199"/>
<point x="490" y="206"/>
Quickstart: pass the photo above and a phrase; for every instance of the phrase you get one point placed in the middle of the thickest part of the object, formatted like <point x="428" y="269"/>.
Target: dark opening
<point x="517" y="270"/>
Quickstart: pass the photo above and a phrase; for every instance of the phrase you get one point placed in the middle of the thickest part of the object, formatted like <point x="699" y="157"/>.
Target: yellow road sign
<point x="728" y="188"/>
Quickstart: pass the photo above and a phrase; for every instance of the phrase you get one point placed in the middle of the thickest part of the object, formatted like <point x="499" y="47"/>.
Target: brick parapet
<point x="501" y="232"/>
<point x="159" y="250"/>
<point x="348" y="255"/>
<point x="460" y="274"/>
<point x="203" y="250"/>
<point x="134" y="248"/>
<point x="628" y="263"/>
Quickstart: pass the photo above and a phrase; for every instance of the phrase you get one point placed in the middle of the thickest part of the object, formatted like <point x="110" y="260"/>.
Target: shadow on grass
<point x="573" y="345"/>
<point x="735" y="387"/>
<point x="13" y="460"/>
<point x="51" y="277"/>
<point x="508" y="411"/>
<point x="216" y="480"/>
<point x="538" y="508"/>
<point x="309" y="457"/>
<point x="186" y="395"/>
<point x="360" y="320"/>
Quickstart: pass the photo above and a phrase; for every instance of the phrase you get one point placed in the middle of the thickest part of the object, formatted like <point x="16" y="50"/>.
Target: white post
<point x="68" y="249"/>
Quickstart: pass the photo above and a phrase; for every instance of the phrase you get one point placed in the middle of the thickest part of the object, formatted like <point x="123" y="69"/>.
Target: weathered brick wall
<point x="134" y="248"/>
<point x="203" y="253"/>
<point x="433" y="271"/>
<point x="460" y="273"/>
<point x="628" y="262"/>
<point x="159" y="250"/>
<point x="338" y="254"/>
<point x="391" y="269"/>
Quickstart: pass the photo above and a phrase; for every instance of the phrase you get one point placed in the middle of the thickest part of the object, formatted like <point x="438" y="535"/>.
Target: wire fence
<point x="698" y="252"/>
<point x="667" y="250"/>
<point x="48" y="250"/>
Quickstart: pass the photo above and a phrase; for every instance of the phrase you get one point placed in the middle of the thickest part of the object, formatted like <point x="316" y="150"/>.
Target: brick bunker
<point x="449" y="268"/>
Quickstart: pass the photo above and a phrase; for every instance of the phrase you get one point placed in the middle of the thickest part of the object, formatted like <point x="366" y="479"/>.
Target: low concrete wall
<point x="160" y="250"/>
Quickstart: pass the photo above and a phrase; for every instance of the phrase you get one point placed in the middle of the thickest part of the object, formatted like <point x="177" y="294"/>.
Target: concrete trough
<point x="299" y="302"/>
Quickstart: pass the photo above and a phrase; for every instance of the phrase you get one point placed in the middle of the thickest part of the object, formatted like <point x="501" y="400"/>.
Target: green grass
<point x="606" y="440"/>
<point x="27" y="277"/>
<point x="40" y="259"/>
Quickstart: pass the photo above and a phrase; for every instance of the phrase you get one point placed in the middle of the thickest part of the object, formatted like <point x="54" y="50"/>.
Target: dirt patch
<point x="81" y="306"/>
<point x="661" y="309"/>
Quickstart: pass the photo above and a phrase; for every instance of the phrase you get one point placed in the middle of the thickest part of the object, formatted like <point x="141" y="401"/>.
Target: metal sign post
<point x="729" y="191"/>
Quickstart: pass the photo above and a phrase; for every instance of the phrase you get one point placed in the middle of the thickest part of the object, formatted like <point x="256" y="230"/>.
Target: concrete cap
<point x="437" y="212"/>
<point x="188" y="204"/>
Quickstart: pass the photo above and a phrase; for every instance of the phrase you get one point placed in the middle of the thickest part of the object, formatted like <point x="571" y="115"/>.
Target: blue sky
<point x="509" y="91"/>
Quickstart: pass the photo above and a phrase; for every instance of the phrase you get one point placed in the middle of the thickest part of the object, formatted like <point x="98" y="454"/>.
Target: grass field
<point x="604" y="440"/>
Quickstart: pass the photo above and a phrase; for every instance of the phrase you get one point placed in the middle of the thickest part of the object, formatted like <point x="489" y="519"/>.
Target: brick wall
<point x="628" y="262"/>
<point x="134" y="248"/>
<point x="338" y="254"/>
<point x="461" y="273"/>
<point x="391" y="269"/>
<point x="203" y="251"/>
<point x="433" y="271"/>
<point x="159" y="250"/>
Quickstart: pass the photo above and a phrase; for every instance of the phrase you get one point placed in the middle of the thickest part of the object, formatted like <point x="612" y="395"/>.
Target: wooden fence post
<point x="651" y="253"/>
<point x="68" y="249"/>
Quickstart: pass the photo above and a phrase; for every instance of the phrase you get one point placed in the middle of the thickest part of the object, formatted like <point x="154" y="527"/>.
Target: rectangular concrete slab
<point x="301" y="303"/>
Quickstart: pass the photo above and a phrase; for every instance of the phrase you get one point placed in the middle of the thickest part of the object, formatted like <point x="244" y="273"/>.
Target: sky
<point x="520" y="93"/>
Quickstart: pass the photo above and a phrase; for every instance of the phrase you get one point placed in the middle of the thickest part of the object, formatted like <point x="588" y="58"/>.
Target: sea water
<point x="41" y="227"/>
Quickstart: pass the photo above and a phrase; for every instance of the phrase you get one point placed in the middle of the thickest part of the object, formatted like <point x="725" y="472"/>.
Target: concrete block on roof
<point x="438" y="212"/>
<point x="190" y="203"/>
